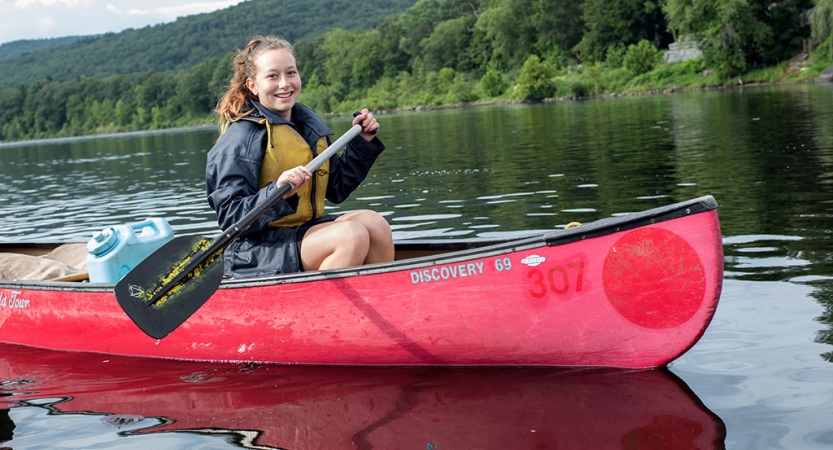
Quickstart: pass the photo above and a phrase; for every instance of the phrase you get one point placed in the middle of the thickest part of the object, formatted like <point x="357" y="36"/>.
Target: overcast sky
<point x="38" y="19"/>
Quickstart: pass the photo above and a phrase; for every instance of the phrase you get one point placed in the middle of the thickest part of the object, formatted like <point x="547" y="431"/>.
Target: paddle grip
<point x="356" y="113"/>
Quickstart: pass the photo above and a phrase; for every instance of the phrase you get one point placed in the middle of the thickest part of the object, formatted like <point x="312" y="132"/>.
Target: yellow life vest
<point x="286" y="149"/>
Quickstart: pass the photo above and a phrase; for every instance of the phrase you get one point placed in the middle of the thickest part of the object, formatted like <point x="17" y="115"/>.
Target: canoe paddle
<point x="171" y="284"/>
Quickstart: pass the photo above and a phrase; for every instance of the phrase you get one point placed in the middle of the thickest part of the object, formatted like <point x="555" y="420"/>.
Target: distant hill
<point x="15" y="48"/>
<point x="192" y="39"/>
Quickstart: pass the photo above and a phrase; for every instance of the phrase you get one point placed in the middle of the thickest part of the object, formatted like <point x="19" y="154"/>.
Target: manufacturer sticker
<point x="533" y="260"/>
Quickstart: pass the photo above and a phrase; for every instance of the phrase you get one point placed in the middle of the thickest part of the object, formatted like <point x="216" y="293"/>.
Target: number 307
<point x="557" y="279"/>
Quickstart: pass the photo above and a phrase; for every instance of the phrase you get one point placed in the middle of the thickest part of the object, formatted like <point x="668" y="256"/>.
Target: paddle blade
<point x="147" y="297"/>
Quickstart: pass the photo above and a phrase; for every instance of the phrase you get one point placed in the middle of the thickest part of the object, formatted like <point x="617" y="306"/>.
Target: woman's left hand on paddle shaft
<point x="369" y="125"/>
<point x="297" y="177"/>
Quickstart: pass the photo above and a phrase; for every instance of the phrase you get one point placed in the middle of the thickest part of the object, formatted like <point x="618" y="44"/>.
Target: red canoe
<point x="632" y="291"/>
<point x="305" y="407"/>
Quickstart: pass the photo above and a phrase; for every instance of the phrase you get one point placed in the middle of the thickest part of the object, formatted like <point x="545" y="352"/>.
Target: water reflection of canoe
<point x="631" y="291"/>
<point x="306" y="407"/>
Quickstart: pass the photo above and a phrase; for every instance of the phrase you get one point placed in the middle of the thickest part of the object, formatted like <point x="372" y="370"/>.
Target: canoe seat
<point x="67" y="262"/>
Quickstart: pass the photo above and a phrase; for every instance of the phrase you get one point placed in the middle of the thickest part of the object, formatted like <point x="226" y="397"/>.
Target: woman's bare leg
<point x="359" y="237"/>
<point x="334" y="245"/>
<point x="381" y="237"/>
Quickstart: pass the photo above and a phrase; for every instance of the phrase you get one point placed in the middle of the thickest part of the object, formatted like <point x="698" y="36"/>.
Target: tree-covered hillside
<point x="15" y="48"/>
<point x="436" y="52"/>
<point x="193" y="39"/>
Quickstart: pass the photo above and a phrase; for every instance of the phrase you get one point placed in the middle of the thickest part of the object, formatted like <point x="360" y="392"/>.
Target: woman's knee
<point x="377" y="227"/>
<point x="354" y="235"/>
<point x="381" y="247"/>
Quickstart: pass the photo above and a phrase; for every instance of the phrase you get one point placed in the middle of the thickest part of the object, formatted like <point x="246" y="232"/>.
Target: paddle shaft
<point x="233" y="232"/>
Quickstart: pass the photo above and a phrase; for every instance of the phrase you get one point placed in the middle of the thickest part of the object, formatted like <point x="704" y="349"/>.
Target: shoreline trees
<point x="442" y="52"/>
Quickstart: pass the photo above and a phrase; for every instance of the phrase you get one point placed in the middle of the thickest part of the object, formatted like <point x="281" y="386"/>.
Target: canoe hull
<point x="615" y="296"/>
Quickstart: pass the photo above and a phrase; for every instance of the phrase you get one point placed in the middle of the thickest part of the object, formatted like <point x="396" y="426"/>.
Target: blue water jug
<point x="116" y="250"/>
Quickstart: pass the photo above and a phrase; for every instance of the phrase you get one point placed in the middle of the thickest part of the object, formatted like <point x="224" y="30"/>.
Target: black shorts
<point x="270" y="252"/>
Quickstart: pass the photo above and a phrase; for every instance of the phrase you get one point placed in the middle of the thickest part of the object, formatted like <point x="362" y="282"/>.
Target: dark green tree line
<point x="181" y="45"/>
<point x="441" y="52"/>
<point x="119" y="103"/>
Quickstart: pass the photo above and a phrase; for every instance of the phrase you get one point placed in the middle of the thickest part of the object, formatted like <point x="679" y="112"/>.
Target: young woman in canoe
<point x="268" y="138"/>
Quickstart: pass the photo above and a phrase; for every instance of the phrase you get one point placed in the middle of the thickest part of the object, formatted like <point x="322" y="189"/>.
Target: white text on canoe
<point x="12" y="301"/>
<point x="448" y="272"/>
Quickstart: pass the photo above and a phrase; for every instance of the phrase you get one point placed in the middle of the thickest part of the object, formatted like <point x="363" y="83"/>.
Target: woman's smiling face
<point x="277" y="83"/>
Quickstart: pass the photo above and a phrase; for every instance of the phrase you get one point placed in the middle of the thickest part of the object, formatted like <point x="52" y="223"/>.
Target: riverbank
<point x="757" y="78"/>
<point x="576" y="83"/>
<point x="663" y="80"/>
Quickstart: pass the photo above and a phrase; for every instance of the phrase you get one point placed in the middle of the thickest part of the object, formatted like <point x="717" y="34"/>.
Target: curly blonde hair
<point x="231" y="104"/>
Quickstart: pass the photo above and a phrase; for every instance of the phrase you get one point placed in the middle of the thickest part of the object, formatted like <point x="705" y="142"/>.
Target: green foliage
<point x="535" y="81"/>
<point x="558" y="57"/>
<point x="765" y="75"/>
<point x="493" y="83"/>
<point x="419" y="22"/>
<point x="119" y="103"/>
<point x="727" y="61"/>
<point x="311" y="56"/>
<point x="641" y="57"/>
<point x="448" y="45"/>
<point x="515" y="29"/>
<point x="789" y="26"/>
<point x="573" y="86"/>
<point x="616" y="79"/>
<point x="509" y="31"/>
<point x="558" y="25"/>
<point x="686" y="74"/>
<point x="594" y="73"/>
<point x="612" y="22"/>
<point x="821" y="21"/>
<point x="444" y="79"/>
<point x="339" y="47"/>
<point x="615" y="57"/>
<point x="733" y="32"/>
<point x="20" y="47"/>
<point x="461" y="90"/>
<point x="680" y="69"/>
<point x="578" y="88"/>
<point x="824" y="51"/>
<point x="382" y="96"/>
<point x="192" y="96"/>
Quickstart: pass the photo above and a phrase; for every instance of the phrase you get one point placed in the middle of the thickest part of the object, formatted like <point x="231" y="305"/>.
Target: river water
<point x="761" y="376"/>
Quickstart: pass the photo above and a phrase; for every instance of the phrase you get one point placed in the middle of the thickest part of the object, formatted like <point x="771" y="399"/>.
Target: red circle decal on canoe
<point x="654" y="278"/>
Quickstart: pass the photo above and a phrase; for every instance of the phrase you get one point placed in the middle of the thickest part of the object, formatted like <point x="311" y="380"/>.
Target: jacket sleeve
<point x="232" y="179"/>
<point x="349" y="169"/>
